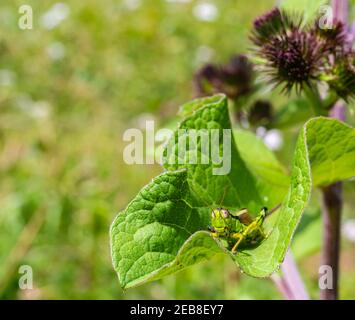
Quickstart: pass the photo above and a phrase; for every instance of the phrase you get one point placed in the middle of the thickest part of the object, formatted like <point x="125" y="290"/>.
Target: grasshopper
<point x="239" y="228"/>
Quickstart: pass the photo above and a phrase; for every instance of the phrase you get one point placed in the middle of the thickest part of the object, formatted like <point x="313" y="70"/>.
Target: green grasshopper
<point x="240" y="228"/>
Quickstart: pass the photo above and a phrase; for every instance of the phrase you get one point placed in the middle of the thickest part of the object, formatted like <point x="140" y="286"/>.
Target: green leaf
<point x="238" y="188"/>
<point x="317" y="135"/>
<point x="160" y="232"/>
<point x="307" y="239"/>
<point x="331" y="150"/>
<point x="272" y="180"/>
<point x="164" y="229"/>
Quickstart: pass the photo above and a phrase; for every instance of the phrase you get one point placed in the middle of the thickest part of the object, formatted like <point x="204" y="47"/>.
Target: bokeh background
<point x="69" y="88"/>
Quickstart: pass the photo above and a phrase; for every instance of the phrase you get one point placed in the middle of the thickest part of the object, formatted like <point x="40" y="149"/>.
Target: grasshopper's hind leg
<point x="239" y="237"/>
<point x="257" y="224"/>
<point x="250" y="227"/>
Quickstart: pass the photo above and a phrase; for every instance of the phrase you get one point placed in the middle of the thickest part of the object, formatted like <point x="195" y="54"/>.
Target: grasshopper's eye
<point x="213" y="214"/>
<point x="225" y="213"/>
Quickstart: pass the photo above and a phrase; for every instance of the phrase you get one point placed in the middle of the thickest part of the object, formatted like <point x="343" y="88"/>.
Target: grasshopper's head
<point x="221" y="219"/>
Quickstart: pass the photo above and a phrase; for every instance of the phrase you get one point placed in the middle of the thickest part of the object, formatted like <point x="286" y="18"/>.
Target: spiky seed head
<point x="334" y="38"/>
<point x="237" y="77"/>
<point x="343" y="76"/>
<point x="233" y="79"/>
<point x="207" y="79"/>
<point x="261" y="113"/>
<point x="292" y="55"/>
<point x="273" y="23"/>
<point x="292" y="61"/>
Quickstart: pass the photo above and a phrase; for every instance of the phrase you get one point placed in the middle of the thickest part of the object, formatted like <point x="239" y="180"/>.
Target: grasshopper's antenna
<point x="269" y="213"/>
<point x="200" y="198"/>
<point x="224" y="195"/>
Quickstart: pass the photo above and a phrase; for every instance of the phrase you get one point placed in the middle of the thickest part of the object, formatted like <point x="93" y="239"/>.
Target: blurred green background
<point x="69" y="88"/>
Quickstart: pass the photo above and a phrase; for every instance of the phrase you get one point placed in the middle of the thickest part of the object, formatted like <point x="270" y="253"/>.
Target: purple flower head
<point x="233" y="79"/>
<point x="292" y="60"/>
<point x="207" y="79"/>
<point x="293" y="55"/>
<point x="343" y="76"/>
<point x="334" y="38"/>
<point x="261" y="113"/>
<point x="273" y="23"/>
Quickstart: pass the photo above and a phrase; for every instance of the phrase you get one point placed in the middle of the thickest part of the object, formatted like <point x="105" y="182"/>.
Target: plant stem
<point x="332" y="205"/>
<point x="332" y="195"/>
<point x="340" y="10"/>
<point x="282" y="286"/>
<point x="293" y="278"/>
<point x="314" y="98"/>
<point x="290" y="283"/>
